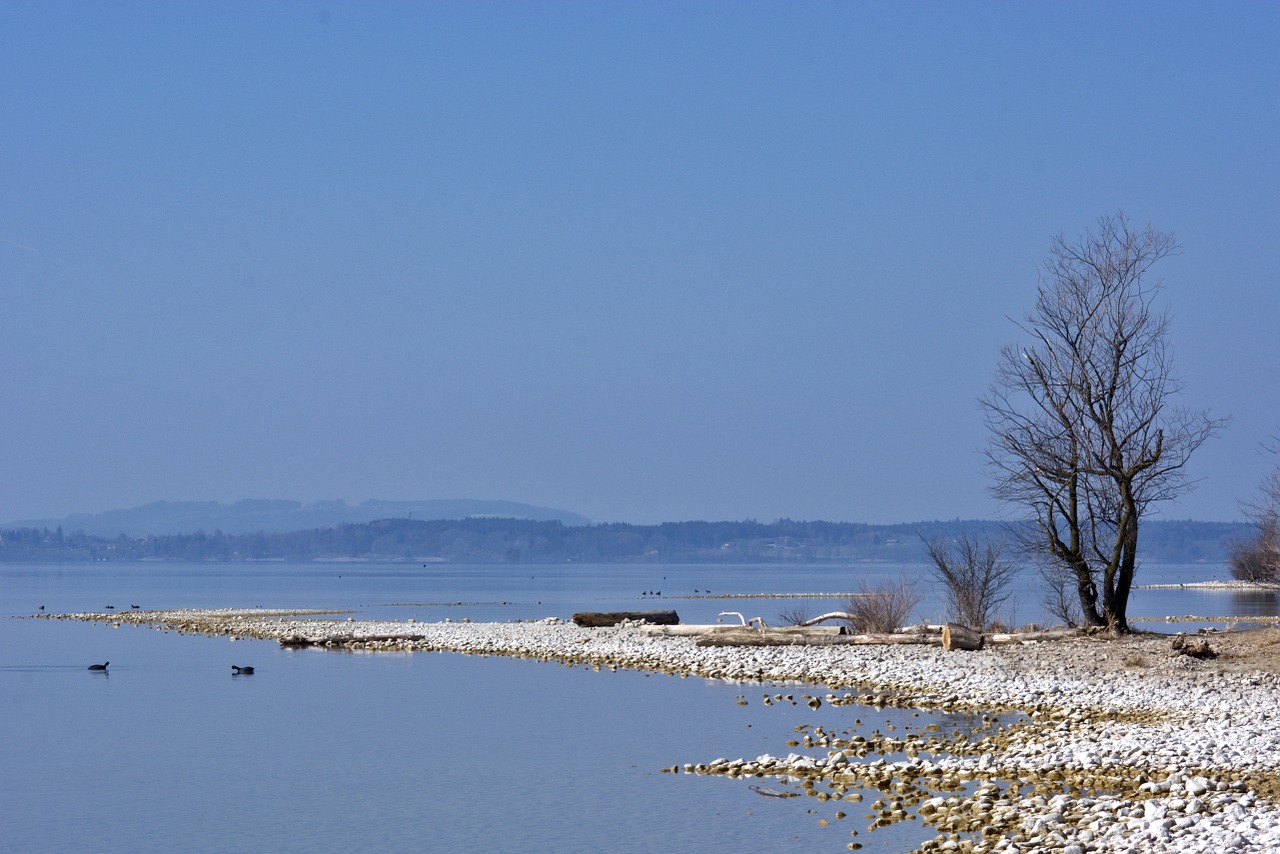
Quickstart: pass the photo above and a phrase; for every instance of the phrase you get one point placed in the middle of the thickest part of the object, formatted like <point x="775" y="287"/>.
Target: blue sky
<point x="643" y="261"/>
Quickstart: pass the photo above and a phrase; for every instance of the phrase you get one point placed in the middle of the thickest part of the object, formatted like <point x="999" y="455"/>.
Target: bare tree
<point x="1082" y="433"/>
<point x="975" y="577"/>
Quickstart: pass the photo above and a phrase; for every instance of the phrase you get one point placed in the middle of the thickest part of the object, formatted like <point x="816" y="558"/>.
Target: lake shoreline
<point x="1177" y="752"/>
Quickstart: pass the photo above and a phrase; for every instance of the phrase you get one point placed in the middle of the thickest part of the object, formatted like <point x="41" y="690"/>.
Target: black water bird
<point x="236" y="671"/>
<point x="111" y="607"/>
<point x="102" y="666"/>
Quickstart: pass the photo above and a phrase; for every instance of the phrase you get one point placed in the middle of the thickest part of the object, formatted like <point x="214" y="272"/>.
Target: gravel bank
<point x="1128" y="748"/>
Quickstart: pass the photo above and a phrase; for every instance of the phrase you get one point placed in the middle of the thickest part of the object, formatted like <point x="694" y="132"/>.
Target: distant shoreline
<point x="490" y="540"/>
<point x="1211" y="585"/>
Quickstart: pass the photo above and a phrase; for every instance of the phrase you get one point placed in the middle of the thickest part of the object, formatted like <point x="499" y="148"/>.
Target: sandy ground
<point x="1235" y="651"/>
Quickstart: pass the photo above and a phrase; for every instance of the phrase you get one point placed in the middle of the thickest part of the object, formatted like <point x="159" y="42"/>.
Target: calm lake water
<point x="324" y="751"/>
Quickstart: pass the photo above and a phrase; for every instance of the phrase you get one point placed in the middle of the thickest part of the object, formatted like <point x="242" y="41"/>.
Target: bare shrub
<point x="882" y="608"/>
<point x="1258" y="558"/>
<point x="795" y="615"/>
<point x="975" y="577"/>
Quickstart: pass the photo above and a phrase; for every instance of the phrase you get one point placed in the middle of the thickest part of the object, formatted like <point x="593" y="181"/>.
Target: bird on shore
<point x="102" y="666"/>
<point x="237" y="670"/>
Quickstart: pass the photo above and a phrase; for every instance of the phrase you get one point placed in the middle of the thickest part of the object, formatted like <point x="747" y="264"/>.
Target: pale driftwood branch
<point x="834" y="615"/>
<point x="759" y="621"/>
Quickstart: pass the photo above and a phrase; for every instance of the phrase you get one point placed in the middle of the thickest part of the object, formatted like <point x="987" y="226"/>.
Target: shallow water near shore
<point x="328" y="751"/>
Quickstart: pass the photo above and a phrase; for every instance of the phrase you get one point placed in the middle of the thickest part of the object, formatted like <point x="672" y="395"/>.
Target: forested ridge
<point x="490" y="540"/>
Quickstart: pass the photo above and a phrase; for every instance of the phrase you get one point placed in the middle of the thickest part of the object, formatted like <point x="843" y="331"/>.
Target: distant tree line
<point x="491" y="540"/>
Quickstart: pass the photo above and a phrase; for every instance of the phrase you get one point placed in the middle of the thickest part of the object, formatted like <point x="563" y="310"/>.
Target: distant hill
<point x="278" y="516"/>
<point x="480" y="539"/>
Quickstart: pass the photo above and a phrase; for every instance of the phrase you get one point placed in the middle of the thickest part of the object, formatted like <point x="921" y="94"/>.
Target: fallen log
<point x="823" y="618"/>
<point x="920" y="628"/>
<point x="890" y="639"/>
<point x="750" y="636"/>
<point x="1032" y="637"/>
<point x="800" y="636"/>
<point x="597" y="619"/>
<point x="683" y="630"/>
<point x="956" y="636"/>
<point x="301" y="641"/>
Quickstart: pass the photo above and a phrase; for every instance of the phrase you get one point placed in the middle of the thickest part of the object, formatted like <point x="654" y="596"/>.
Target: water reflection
<point x="869" y="766"/>
<point x="1255" y="603"/>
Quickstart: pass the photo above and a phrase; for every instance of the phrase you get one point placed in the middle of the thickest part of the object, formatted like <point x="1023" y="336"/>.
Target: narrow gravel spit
<point x="1125" y="746"/>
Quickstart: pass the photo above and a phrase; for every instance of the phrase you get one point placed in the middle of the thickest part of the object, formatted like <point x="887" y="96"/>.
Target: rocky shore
<point x="1125" y="746"/>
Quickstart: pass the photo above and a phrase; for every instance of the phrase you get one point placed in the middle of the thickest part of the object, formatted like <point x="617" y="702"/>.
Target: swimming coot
<point x="238" y="670"/>
<point x="102" y="666"/>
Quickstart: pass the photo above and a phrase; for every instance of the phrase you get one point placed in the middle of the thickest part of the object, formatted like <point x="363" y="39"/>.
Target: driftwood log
<point x="683" y="630"/>
<point x="890" y="639"/>
<point x="956" y="636"/>
<point x="751" y="636"/>
<point x="1032" y="637"/>
<point x="597" y="619"/>
<point x="800" y="636"/>
<point x="826" y="635"/>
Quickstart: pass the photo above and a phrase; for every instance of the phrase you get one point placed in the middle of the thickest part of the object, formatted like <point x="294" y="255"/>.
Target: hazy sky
<point x="643" y="261"/>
